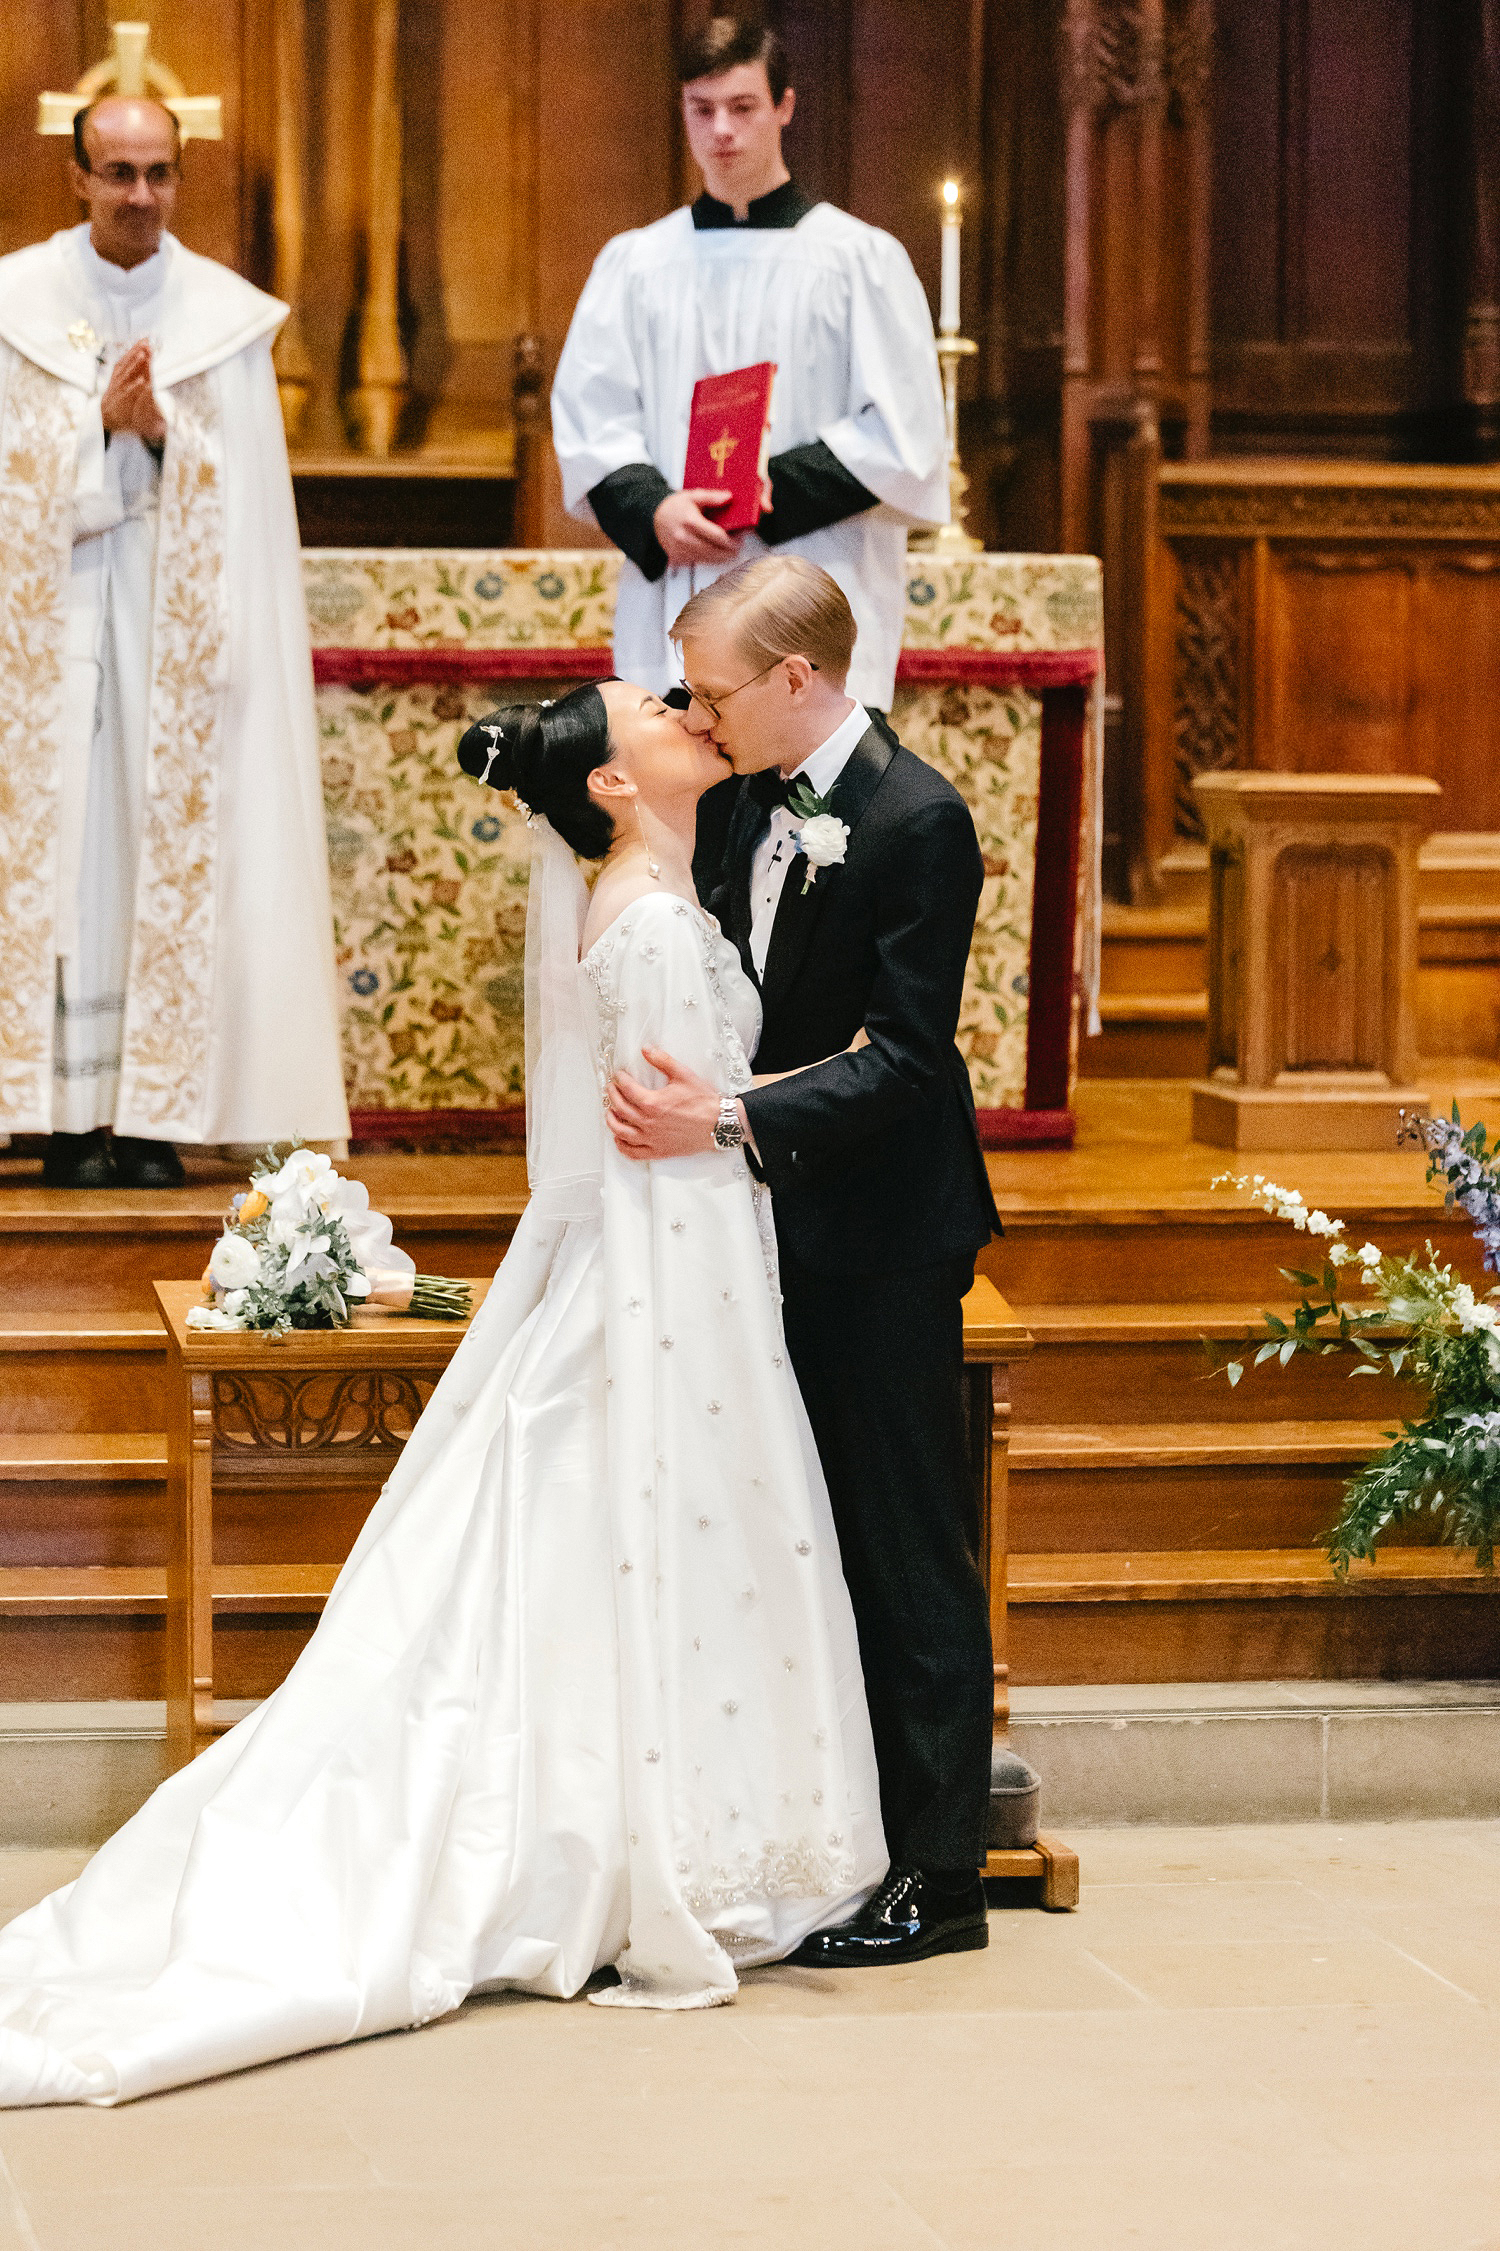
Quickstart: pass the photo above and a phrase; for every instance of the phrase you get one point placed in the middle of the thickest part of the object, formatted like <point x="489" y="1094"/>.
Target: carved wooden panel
<point x="356" y="1414"/>
<point x="1339" y="619"/>
<point x="1226" y="872"/>
<point x="1331" y="959"/>
<point x="1208" y="679"/>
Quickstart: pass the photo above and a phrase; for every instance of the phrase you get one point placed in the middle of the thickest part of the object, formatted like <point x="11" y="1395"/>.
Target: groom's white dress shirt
<point x="777" y="848"/>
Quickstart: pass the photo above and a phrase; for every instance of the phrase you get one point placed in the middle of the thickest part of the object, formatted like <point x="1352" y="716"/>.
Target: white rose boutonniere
<point x="823" y="838"/>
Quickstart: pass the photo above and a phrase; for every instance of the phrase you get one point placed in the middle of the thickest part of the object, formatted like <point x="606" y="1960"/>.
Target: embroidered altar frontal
<point x="997" y="688"/>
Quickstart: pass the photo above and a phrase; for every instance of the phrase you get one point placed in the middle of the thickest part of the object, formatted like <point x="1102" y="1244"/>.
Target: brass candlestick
<point x="951" y="538"/>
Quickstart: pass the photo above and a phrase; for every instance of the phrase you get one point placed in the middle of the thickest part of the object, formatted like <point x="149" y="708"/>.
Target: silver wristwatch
<point x="729" y="1133"/>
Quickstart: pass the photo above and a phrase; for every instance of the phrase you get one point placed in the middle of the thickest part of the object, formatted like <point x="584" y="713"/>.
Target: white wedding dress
<point x="587" y="1691"/>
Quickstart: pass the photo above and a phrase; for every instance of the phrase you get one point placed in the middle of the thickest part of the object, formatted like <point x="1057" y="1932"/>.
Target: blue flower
<point x="486" y="829"/>
<point x="490" y="587"/>
<point x="365" y="982"/>
<point x="1021" y="984"/>
<point x="550" y="586"/>
<point x="921" y="591"/>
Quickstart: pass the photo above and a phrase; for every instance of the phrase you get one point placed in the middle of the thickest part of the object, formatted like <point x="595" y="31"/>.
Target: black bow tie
<point x="769" y="790"/>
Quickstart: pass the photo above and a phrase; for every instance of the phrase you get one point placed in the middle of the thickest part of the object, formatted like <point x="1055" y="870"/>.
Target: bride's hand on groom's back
<point x="675" y="1120"/>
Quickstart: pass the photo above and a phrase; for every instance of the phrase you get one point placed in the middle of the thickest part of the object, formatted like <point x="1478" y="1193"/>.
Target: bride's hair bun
<point x="545" y="753"/>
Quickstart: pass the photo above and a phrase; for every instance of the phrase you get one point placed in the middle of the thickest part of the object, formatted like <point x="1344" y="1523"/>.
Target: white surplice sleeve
<point x="892" y="436"/>
<point x="598" y="413"/>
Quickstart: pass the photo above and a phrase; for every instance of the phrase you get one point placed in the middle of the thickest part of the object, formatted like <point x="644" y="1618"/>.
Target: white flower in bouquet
<point x="213" y="1317"/>
<point x="390" y="1274"/>
<point x="235" y="1264"/>
<point x="1476" y="1316"/>
<point x="296" y="1191"/>
<point x="307" y="1259"/>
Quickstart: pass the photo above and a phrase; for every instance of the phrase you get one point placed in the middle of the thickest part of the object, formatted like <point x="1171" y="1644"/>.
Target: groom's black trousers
<point x="880" y="1361"/>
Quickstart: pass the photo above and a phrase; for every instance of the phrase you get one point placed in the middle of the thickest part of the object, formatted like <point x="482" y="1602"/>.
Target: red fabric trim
<point x="445" y="661"/>
<point x="1054" y="901"/>
<point x="1000" y="668"/>
<point x="998" y="1129"/>
<point x="1025" y="1129"/>
<point x="508" y="1124"/>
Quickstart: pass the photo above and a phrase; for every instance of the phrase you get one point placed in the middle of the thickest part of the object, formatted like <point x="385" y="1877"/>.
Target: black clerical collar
<point x="783" y="207"/>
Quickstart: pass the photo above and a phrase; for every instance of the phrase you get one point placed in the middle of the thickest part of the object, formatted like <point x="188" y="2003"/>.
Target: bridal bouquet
<point x="302" y="1247"/>
<point x="1415" y="1318"/>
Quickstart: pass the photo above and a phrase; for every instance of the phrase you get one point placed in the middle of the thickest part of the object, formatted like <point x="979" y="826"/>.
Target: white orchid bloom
<point x="1370" y="1256"/>
<point x="296" y="1192"/>
<point x="308" y="1260"/>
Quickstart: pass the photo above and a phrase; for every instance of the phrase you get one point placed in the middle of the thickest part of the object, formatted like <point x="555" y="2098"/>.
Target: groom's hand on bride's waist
<point x="675" y="1120"/>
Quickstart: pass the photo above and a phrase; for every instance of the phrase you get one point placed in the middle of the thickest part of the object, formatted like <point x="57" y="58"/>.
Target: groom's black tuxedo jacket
<point x="873" y="1158"/>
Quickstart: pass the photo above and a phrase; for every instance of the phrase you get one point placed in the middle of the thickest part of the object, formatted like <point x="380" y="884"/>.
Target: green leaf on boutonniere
<point x="805" y="804"/>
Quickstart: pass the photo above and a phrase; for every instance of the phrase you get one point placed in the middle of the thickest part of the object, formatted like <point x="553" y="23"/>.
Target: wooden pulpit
<point x="1312" y="958"/>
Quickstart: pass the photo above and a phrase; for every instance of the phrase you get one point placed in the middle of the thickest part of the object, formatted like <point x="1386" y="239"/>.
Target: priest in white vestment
<point x="166" y="944"/>
<point x="753" y="271"/>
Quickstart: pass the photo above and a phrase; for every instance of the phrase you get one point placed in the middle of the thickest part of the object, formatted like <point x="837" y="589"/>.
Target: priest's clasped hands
<point x="129" y="403"/>
<point x="687" y="536"/>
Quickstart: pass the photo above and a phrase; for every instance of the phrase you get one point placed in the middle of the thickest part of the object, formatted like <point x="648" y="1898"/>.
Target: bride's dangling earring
<point x="653" y="868"/>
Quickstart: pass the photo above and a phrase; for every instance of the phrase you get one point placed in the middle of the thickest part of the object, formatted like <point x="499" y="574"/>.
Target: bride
<point x="586" y="1695"/>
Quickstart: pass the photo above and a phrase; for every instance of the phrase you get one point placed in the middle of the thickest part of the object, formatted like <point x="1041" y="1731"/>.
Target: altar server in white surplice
<point x="753" y="271"/>
<point x="166" y="950"/>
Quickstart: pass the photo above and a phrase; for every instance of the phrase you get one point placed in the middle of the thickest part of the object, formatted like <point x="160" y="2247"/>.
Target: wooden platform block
<point x="1312" y="958"/>
<point x="1049" y="1862"/>
<point x="1318" y="1113"/>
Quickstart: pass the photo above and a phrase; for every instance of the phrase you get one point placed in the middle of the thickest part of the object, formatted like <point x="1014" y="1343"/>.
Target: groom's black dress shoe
<point x="911" y="1917"/>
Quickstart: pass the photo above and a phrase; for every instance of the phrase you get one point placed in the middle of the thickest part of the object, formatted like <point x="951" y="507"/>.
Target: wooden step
<point x="1157" y="1446"/>
<point x="78" y="1252"/>
<point x="86" y="1371"/>
<point x="1106" y="1249"/>
<point x="141" y="1592"/>
<point x="74" y="1498"/>
<point x="1094" y="1364"/>
<point x="1204" y="1486"/>
<point x="1244" y="1574"/>
<point x="97" y="1634"/>
<point x="82" y="1457"/>
<point x="1153" y="1008"/>
<point x="1251" y="1614"/>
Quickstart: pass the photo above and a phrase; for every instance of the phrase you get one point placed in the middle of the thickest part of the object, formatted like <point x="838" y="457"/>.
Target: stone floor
<point x="1244" y="2040"/>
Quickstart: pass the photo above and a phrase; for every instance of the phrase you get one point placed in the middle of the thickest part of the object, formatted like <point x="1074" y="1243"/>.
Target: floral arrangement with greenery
<point x="302" y="1248"/>
<point x="1414" y="1318"/>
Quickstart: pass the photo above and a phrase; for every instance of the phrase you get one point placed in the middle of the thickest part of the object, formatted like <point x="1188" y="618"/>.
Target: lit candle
<point x="953" y="223"/>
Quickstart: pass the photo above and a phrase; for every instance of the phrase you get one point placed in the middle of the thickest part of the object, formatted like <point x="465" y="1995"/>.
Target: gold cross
<point x="719" y="452"/>
<point x="133" y="69"/>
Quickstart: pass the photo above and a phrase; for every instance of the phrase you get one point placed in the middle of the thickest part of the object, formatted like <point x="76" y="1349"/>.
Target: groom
<point x="880" y="1191"/>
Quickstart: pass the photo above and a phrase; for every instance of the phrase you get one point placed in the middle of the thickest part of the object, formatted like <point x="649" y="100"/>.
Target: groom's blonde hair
<point x="778" y="606"/>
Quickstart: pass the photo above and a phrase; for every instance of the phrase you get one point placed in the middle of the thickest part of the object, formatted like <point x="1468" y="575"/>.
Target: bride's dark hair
<point x="546" y="752"/>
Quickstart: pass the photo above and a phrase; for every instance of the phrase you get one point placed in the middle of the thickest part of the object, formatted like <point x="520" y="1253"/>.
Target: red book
<point x="729" y="440"/>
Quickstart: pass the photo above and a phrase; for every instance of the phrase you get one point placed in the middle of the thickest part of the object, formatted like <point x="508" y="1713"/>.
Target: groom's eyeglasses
<point x="713" y="704"/>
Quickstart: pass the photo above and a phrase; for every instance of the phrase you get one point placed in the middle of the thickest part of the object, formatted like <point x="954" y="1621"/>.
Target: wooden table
<point x="330" y="1409"/>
